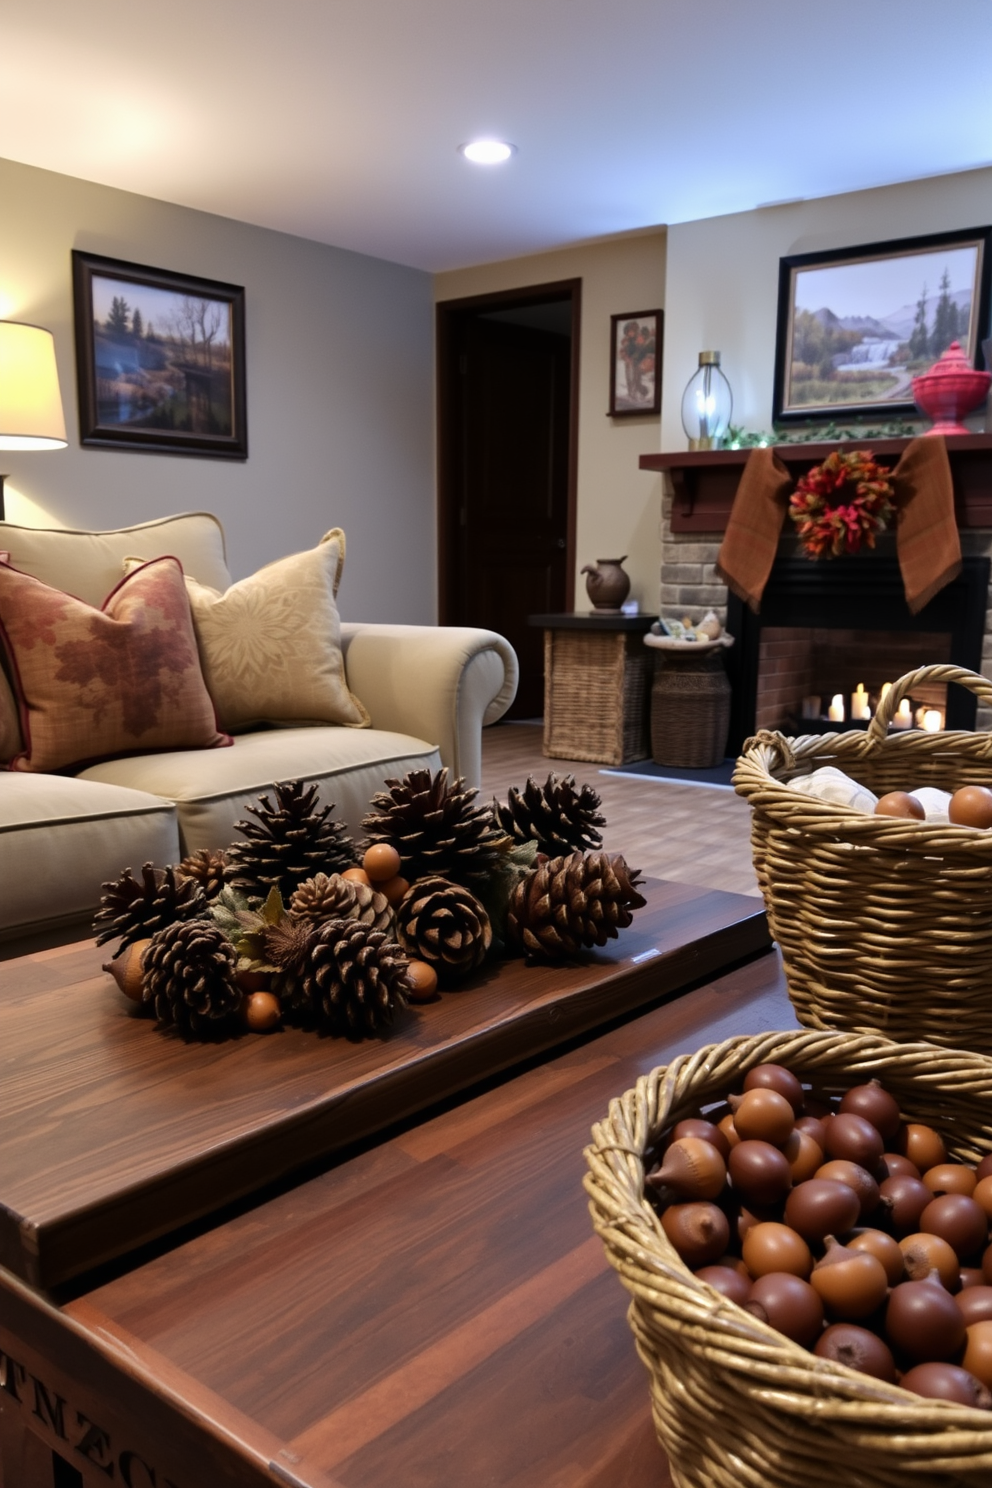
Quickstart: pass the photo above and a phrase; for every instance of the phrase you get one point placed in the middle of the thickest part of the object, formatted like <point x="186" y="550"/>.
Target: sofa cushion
<point x="10" y="723"/>
<point x="88" y="564"/>
<point x="270" y="645"/>
<point x="212" y="788"/>
<point x="93" y="683"/>
<point x="61" y="838"/>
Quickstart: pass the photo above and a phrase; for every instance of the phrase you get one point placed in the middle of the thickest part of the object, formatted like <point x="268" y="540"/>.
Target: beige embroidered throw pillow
<point x="270" y="646"/>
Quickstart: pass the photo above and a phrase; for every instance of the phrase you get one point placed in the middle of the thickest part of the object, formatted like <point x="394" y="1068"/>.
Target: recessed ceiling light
<point x="487" y="151"/>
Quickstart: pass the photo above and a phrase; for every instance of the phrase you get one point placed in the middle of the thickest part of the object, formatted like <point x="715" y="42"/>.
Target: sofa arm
<point x="439" y="683"/>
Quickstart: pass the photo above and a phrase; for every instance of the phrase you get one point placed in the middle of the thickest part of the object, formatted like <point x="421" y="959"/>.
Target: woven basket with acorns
<point x="295" y="921"/>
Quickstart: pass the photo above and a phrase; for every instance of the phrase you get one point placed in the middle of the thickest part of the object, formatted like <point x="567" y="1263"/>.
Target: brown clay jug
<point x="607" y="585"/>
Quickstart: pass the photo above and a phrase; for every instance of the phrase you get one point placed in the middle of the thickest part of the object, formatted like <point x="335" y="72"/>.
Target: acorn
<point x="922" y="1145"/>
<point x="759" y="1172"/>
<point x="971" y="1277"/>
<point x="978" y="1351"/>
<point x="729" y="1283"/>
<point x="776" y="1077"/>
<point x="947" y="1382"/>
<point x="846" y="1343"/>
<point x="894" y="1165"/>
<point x="951" y="1177"/>
<point x="987" y="1264"/>
<point x="821" y="1207"/>
<point x="804" y="1155"/>
<point x="984" y="1169"/>
<point x="788" y="1304"/>
<point x="381" y="862"/>
<point x="855" y="1177"/>
<point x="928" y="1255"/>
<point x="126" y="968"/>
<point x="924" y="1321"/>
<point x="261" y="1012"/>
<point x="762" y="1115"/>
<point x="975" y="1304"/>
<point x="770" y="1247"/>
<point x="394" y="889"/>
<point x="706" y="1131"/>
<point x="982" y="1194"/>
<point x="698" y="1231"/>
<point x="876" y="1105"/>
<point x="885" y="1249"/>
<point x="850" y="1283"/>
<point x="905" y="1200"/>
<point x="898" y="803"/>
<point x="958" y="1220"/>
<point x="854" y="1139"/>
<point x="421" y="982"/>
<point x="815" y="1128"/>
<point x="728" y="1130"/>
<point x="692" y="1168"/>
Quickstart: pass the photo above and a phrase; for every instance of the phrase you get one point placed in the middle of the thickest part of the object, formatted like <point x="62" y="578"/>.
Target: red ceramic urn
<point x="949" y="390"/>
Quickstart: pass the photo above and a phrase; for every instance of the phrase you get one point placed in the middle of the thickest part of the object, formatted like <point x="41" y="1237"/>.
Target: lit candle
<point x="932" y="721"/>
<point x="859" y="703"/>
<point x="835" y="712"/>
<point x="904" y="715"/>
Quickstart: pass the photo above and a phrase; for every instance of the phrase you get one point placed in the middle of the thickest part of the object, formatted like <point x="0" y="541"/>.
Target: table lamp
<point x="707" y="404"/>
<point x="30" y="404"/>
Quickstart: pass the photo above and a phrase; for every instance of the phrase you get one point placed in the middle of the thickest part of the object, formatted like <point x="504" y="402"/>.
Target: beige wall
<point x="618" y="505"/>
<point x="340" y="391"/>
<point x="723" y="277"/>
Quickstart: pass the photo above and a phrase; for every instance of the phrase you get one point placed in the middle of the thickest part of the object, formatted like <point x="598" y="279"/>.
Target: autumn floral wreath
<point x="842" y="504"/>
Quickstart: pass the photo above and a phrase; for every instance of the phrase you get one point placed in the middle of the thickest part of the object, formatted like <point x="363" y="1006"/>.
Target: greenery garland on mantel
<point x="737" y="437"/>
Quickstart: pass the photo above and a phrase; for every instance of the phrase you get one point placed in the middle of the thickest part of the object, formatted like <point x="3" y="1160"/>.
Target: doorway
<point x="507" y="447"/>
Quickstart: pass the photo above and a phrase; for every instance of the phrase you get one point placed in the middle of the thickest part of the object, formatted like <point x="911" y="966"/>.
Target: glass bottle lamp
<point x="707" y="404"/>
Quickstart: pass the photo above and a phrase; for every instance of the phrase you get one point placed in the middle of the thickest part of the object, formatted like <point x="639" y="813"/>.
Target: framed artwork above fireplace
<point x="856" y="325"/>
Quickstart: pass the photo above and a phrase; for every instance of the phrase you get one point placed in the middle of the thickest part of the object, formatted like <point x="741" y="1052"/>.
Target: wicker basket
<point x="736" y="1403"/>
<point x="884" y="925"/>
<point x="596" y="686"/>
<point x="690" y="710"/>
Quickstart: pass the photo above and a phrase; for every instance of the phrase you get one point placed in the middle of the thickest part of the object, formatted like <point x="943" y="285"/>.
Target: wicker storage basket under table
<point x="690" y="710"/>
<point x="596" y="685"/>
<point x="885" y="925"/>
<point x="735" y="1403"/>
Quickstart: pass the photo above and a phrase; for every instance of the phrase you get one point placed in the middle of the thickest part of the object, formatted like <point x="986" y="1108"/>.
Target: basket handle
<point x="879" y="725"/>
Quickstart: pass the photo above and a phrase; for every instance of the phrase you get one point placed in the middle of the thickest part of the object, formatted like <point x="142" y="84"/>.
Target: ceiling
<point x="339" y="120"/>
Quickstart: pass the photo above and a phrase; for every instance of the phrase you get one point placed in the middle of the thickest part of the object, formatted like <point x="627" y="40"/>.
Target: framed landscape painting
<point x="856" y="325"/>
<point x="635" y="363"/>
<point x="160" y="360"/>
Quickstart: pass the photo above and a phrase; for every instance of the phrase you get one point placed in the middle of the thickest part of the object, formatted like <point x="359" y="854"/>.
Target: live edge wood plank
<point x="431" y="1313"/>
<point x="113" y="1132"/>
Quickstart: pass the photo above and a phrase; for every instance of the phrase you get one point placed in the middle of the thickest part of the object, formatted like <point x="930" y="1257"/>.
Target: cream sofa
<point x="429" y="690"/>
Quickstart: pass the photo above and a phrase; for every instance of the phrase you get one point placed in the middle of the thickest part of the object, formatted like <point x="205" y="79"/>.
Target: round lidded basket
<point x="735" y="1402"/>
<point x="884" y="925"/>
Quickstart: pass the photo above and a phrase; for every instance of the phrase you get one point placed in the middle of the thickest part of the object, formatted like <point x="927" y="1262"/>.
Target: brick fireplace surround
<point x="689" y="585"/>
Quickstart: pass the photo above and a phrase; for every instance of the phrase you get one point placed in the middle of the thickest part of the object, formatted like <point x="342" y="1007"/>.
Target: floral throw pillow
<point x="270" y="645"/>
<point x="92" y="684"/>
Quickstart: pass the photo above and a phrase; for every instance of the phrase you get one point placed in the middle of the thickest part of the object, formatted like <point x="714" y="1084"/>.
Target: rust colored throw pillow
<point x="92" y="684"/>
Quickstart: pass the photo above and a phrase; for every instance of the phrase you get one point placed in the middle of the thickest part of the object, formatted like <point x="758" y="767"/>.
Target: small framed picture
<point x="160" y="360"/>
<point x="635" y="363"/>
<point x="856" y="325"/>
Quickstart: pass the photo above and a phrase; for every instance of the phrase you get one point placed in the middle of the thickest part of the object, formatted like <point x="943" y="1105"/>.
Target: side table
<point x="597" y="686"/>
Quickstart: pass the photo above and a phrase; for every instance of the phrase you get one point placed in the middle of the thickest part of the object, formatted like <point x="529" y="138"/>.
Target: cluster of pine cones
<point x="287" y="914"/>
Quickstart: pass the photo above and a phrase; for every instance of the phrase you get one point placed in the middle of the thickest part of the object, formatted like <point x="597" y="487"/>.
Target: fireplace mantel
<point x="705" y="481"/>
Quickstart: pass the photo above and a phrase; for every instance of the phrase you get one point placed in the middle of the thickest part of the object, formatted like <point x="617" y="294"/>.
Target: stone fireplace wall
<point x="689" y="584"/>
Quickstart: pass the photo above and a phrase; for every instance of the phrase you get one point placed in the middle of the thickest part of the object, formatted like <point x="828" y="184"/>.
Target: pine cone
<point x="205" y="867"/>
<point x="572" y="903"/>
<point x="287" y="946"/>
<point x="188" y="977"/>
<point x="559" y="818"/>
<point x="443" y="924"/>
<point x="435" y="828"/>
<point x="355" y="978"/>
<point x="135" y="911"/>
<point x="331" y="897"/>
<point x="287" y="843"/>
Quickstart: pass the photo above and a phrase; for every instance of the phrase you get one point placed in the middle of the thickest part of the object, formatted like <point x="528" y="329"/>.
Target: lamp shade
<point x="30" y="404"/>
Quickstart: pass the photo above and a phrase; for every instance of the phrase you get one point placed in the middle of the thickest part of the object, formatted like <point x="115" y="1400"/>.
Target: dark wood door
<point x="512" y="480"/>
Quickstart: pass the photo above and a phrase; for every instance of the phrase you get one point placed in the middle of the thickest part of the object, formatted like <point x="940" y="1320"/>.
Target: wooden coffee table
<point x="431" y="1310"/>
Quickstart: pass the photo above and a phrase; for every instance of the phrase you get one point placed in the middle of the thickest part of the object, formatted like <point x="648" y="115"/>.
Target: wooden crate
<point x="597" y="686"/>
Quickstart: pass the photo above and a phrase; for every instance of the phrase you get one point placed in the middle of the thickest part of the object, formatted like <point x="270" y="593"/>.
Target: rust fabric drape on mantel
<point x="927" y="541"/>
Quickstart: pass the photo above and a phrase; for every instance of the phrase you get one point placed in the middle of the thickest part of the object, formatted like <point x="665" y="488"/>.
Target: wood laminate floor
<point x="691" y="833"/>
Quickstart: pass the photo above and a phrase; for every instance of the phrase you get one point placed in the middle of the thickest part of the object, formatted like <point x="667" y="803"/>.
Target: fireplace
<point x="826" y="627"/>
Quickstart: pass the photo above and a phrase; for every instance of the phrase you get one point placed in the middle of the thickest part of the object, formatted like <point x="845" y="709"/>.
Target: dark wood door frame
<point x="448" y="471"/>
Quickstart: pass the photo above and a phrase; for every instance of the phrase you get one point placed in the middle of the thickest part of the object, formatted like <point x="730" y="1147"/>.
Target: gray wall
<point x="340" y="391"/>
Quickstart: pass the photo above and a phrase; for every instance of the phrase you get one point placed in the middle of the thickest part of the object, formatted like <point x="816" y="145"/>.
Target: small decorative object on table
<point x="286" y="924"/>
<point x="951" y="388"/>
<point x="690" y="697"/>
<point x="842" y="504"/>
<point x="607" y="584"/>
